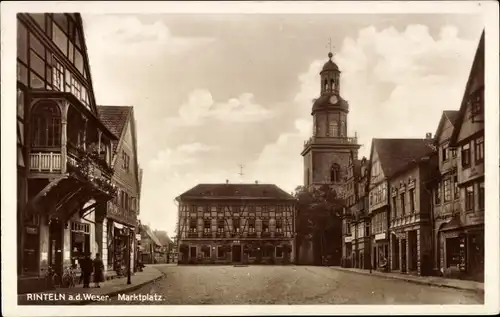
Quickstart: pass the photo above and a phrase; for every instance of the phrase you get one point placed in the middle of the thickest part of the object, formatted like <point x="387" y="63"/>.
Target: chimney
<point x="227" y="181"/>
<point x="428" y="135"/>
<point x="256" y="182"/>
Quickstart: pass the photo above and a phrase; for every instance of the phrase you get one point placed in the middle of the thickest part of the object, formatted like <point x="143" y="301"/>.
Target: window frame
<point x="447" y="196"/>
<point x="469" y="198"/>
<point x="466" y="155"/>
<point x="479" y="149"/>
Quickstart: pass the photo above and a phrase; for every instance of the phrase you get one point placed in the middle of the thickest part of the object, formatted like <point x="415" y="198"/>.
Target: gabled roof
<point x="151" y="235"/>
<point x="477" y="68"/>
<point x="450" y="115"/>
<point x="115" y="118"/>
<point x="237" y="191"/>
<point x="396" y="154"/>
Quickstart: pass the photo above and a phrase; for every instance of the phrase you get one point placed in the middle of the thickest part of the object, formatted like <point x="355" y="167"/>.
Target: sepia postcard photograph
<point x="250" y="158"/>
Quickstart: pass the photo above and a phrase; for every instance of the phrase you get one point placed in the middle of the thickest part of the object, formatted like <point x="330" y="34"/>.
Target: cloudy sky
<point x="211" y="92"/>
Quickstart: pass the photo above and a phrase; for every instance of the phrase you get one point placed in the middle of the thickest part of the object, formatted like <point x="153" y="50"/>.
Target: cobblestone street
<point x="192" y="285"/>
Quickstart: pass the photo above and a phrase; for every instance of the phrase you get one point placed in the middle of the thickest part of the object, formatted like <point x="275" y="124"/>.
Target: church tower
<point x="326" y="154"/>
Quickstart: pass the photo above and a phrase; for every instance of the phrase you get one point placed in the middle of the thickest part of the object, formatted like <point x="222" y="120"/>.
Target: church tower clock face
<point x="334" y="99"/>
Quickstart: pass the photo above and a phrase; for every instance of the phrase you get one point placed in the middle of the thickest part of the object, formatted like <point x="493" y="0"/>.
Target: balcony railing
<point x="45" y="161"/>
<point x="331" y="140"/>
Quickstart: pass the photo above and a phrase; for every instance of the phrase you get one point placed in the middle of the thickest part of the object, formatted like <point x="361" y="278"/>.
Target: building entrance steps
<point x="426" y="280"/>
<point x="110" y="288"/>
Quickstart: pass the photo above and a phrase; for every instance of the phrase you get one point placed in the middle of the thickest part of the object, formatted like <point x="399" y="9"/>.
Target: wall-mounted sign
<point x="381" y="236"/>
<point x="31" y="230"/>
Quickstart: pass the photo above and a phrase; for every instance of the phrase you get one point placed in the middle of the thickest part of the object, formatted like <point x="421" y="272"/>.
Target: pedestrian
<point x="98" y="270"/>
<point x="86" y="267"/>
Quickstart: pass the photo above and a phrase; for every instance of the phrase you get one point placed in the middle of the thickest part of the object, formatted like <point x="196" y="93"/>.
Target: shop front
<point x="380" y="251"/>
<point x="119" y="243"/>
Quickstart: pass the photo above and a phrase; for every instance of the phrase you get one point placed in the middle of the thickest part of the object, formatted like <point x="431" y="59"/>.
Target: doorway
<point x="55" y="246"/>
<point x="403" y="255"/>
<point x="236" y="253"/>
<point x="192" y="253"/>
<point x="395" y="252"/>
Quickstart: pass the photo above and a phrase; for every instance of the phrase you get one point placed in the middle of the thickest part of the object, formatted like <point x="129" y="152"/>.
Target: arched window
<point x="333" y="128"/>
<point x="46" y="125"/>
<point x="332" y="84"/>
<point x="326" y="85"/>
<point x="335" y="173"/>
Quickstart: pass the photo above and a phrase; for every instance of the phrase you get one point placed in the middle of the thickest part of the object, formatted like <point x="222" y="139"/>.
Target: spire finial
<point x="330" y="54"/>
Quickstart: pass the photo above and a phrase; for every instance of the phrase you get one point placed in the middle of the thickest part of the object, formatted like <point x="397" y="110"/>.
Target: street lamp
<point x="128" y="258"/>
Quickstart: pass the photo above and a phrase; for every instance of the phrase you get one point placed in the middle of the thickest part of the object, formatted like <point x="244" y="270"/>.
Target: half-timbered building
<point x="118" y="226"/>
<point x="236" y="223"/>
<point x="64" y="150"/>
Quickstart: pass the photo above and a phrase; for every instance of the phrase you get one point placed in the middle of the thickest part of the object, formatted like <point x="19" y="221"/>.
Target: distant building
<point x="390" y="157"/>
<point x="326" y="156"/>
<point x="150" y="248"/>
<point x="356" y="220"/>
<point x="236" y="223"/>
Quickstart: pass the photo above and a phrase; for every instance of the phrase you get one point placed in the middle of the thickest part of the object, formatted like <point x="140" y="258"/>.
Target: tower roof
<point x="323" y="102"/>
<point x="330" y="65"/>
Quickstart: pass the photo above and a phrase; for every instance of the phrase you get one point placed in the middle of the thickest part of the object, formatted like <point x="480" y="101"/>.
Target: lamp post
<point x="128" y="257"/>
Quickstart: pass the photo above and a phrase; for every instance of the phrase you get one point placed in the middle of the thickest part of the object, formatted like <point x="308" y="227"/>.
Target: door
<point x="55" y="246"/>
<point x="192" y="253"/>
<point x="236" y="253"/>
<point x="403" y="255"/>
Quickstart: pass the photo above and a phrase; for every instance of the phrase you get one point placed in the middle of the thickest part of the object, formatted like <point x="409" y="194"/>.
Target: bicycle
<point x="52" y="279"/>
<point x="68" y="278"/>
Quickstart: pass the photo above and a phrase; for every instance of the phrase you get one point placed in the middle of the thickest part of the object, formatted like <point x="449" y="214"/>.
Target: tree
<point x="318" y="211"/>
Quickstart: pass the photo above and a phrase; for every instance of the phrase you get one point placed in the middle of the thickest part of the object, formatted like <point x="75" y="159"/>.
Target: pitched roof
<point x="237" y="191"/>
<point x="477" y="69"/>
<point x="450" y="115"/>
<point x="396" y="154"/>
<point x="114" y="118"/>
<point x="151" y="235"/>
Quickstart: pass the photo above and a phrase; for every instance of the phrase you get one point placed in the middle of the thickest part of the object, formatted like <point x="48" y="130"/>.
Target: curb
<point x="480" y="291"/>
<point x="126" y="290"/>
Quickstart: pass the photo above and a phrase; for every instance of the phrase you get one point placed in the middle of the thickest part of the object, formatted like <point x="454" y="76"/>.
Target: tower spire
<point x="330" y="54"/>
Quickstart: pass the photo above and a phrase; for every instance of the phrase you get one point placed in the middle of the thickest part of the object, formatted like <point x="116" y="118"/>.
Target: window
<point x="206" y="226"/>
<point x="456" y="189"/>
<point x="125" y="161"/>
<point x="333" y="128"/>
<point x="76" y="88"/>
<point x="342" y="128"/>
<point x="192" y="225"/>
<point x="220" y="226"/>
<point x="412" y="200"/>
<point x="367" y="229"/>
<point x="394" y="207"/>
<point x="481" y="195"/>
<point x="348" y="228"/>
<point x="279" y="252"/>
<point x="22" y="42"/>
<point x="59" y="38"/>
<point x="221" y="252"/>
<point x="437" y="194"/>
<point x="279" y="226"/>
<point x="46" y="123"/>
<point x="265" y="226"/>
<point x="479" y="149"/>
<point x="402" y="198"/>
<point x="466" y="155"/>
<point x="236" y="225"/>
<point x="251" y="225"/>
<point x="469" y="198"/>
<point x="20" y="103"/>
<point x="57" y="75"/>
<point x="444" y="153"/>
<point x="334" y="173"/>
<point x="453" y="152"/>
<point x="447" y="190"/>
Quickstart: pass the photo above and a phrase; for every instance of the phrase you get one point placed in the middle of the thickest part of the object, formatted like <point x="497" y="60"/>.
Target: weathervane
<point x="330" y="53"/>
<point x="241" y="170"/>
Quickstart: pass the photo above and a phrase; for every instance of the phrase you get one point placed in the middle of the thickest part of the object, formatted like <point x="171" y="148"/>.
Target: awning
<point x="118" y="225"/>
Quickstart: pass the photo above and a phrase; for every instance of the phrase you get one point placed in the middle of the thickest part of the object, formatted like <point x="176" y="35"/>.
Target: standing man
<point x="86" y="267"/>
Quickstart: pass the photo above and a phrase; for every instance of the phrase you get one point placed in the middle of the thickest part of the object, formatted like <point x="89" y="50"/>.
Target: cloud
<point x="128" y="35"/>
<point x="200" y="106"/>
<point x="182" y="156"/>
<point x="397" y="85"/>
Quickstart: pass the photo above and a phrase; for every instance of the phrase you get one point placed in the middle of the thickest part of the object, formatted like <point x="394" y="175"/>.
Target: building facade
<point x="411" y="211"/>
<point x="236" y="223"/>
<point x="327" y="153"/>
<point x="463" y="234"/>
<point x="357" y="220"/>
<point x="348" y="223"/>
<point x="64" y="150"/>
<point x="118" y="228"/>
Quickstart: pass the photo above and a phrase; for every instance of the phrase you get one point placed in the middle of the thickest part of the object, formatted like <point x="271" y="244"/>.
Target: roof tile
<point x="237" y="191"/>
